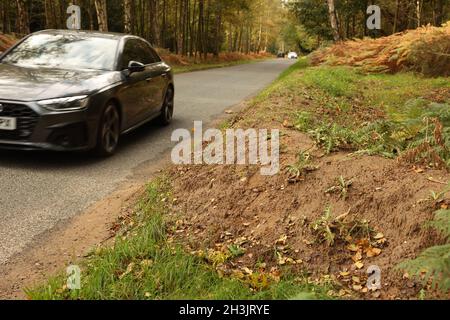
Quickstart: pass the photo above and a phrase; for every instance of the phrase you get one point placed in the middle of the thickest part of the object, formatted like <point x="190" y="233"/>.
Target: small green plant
<point x="303" y="165"/>
<point x="330" y="229"/>
<point x="236" y="250"/>
<point x="325" y="227"/>
<point x="341" y="188"/>
<point x="303" y="121"/>
<point x="433" y="264"/>
<point x="333" y="137"/>
<point x="438" y="195"/>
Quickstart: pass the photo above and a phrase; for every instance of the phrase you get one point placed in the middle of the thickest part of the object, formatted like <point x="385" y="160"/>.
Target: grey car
<point x="75" y="90"/>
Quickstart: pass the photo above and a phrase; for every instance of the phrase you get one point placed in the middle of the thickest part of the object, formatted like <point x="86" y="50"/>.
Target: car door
<point x="161" y="72"/>
<point x="136" y="94"/>
<point x="157" y="80"/>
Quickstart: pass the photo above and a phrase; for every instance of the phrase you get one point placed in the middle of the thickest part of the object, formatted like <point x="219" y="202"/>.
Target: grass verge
<point x="145" y="264"/>
<point x="403" y="114"/>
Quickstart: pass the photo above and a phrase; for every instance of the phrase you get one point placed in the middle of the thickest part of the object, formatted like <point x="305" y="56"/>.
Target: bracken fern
<point x="433" y="264"/>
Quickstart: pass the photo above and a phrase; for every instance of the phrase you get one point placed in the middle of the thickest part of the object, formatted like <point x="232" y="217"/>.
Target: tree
<point x="102" y="16"/>
<point x="127" y="8"/>
<point x="23" y="21"/>
<point x="333" y="20"/>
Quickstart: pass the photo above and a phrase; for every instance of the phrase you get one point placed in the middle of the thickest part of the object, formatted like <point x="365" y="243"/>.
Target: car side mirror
<point x="135" y="66"/>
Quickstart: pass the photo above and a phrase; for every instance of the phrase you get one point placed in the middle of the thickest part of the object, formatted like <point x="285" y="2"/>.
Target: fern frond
<point x="441" y="221"/>
<point x="433" y="264"/>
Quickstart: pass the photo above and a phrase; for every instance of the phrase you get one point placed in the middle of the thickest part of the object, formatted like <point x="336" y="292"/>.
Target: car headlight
<point x="65" y="104"/>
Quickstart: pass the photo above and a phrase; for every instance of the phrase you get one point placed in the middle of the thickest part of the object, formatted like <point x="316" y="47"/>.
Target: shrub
<point x="425" y="50"/>
<point x="433" y="264"/>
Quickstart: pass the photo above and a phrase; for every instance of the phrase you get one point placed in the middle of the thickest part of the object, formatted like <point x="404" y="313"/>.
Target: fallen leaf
<point x="379" y="236"/>
<point x="418" y="170"/>
<point x="353" y="247"/>
<point x="357" y="287"/>
<point x="342" y="293"/>
<point x="146" y="263"/>
<point x="287" y="124"/>
<point x="357" y="256"/>
<point x="282" y="240"/>
<point x="359" y="265"/>
<point x="373" y="252"/>
<point x="247" y="270"/>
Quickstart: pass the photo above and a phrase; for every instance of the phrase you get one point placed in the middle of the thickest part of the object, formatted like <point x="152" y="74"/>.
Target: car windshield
<point x="65" y="52"/>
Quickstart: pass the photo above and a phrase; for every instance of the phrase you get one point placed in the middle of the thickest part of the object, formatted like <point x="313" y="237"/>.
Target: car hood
<point x="31" y="84"/>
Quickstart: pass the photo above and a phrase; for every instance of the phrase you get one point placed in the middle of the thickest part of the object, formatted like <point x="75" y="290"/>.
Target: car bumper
<point x="40" y="129"/>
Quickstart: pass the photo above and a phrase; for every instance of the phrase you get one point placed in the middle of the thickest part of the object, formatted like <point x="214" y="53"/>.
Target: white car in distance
<point x="292" y="55"/>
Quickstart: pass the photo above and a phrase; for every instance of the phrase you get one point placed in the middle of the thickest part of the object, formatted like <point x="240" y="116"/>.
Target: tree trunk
<point x="438" y="12"/>
<point x="23" y="20"/>
<point x="397" y="9"/>
<point x="127" y="7"/>
<point x="102" y="15"/>
<point x="333" y="20"/>
<point x="419" y="12"/>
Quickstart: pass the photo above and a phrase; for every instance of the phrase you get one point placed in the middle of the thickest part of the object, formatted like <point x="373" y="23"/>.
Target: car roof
<point x="97" y="34"/>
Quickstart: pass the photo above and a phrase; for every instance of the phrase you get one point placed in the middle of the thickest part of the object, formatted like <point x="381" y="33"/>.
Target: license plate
<point x="7" y="123"/>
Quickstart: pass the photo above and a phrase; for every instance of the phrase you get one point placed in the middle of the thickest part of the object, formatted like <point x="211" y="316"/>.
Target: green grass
<point x="286" y="80"/>
<point x="393" y="92"/>
<point x="301" y="64"/>
<point x="142" y="264"/>
<point x="337" y="81"/>
<point x="374" y="114"/>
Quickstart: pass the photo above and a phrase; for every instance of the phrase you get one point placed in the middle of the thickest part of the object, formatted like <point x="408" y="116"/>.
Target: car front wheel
<point x="168" y="107"/>
<point x="109" y="131"/>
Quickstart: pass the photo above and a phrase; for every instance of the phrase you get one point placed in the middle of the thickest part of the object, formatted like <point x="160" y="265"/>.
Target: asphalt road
<point x="39" y="189"/>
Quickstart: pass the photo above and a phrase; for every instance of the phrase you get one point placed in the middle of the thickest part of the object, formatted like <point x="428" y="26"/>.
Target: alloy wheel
<point x="110" y="129"/>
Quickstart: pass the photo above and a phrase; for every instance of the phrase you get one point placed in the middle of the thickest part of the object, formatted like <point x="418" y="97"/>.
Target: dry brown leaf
<point x="357" y="256"/>
<point x="373" y="252"/>
<point x="357" y="287"/>
<point x="353" y="247"/>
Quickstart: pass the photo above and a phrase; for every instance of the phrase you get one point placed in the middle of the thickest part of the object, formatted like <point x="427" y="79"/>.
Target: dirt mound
<point x="425" y="50"/>
<point x="272" y="218"/>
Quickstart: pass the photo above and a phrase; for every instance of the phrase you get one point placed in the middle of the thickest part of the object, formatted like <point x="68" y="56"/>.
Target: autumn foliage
<point x="223" y="57"/>
<point x="6" y="41"/>
<point x="425" y="50"/>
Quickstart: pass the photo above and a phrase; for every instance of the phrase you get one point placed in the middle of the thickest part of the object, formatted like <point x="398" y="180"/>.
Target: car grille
<point x="26" y="121"/>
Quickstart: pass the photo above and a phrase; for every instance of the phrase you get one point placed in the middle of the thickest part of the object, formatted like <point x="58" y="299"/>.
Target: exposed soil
<point x="66" y="244"/>
<point x="219" y="205"/>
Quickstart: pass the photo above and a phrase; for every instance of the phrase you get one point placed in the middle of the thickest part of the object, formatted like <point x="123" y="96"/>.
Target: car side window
<point x="140" y="51"/>
<point x="155" y="55"/>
